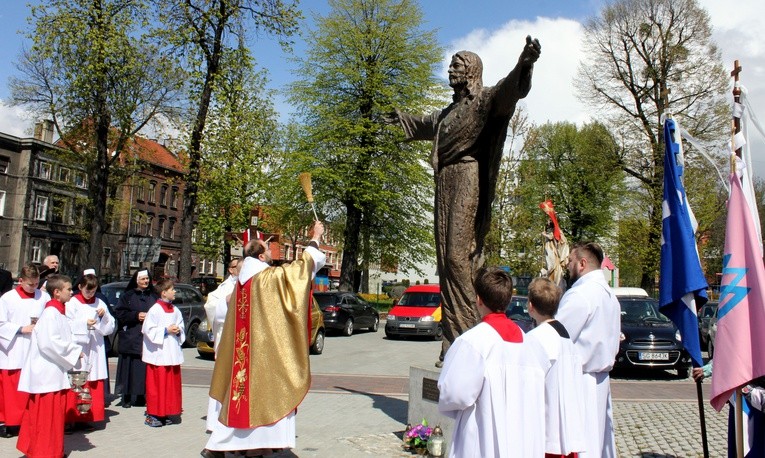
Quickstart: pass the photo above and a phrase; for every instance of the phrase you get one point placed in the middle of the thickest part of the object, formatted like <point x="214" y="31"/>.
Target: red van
<point x="417" y="313"/>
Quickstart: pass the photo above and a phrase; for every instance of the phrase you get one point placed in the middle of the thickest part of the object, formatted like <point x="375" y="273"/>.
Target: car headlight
<point x="678" y="336"/>
<point x="427" y="318"/>
<point x="622" y="337"/>
<point x="391" y="317"/>
<point x="203" y="326"/>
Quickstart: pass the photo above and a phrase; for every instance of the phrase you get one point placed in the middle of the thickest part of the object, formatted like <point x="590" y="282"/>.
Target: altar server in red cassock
<point x="493" y="378"/>
<point x="52" y="353"/>
<point x="90" y="321"/>
<point x="163" y="334"/>
<point x="19" y="307"/>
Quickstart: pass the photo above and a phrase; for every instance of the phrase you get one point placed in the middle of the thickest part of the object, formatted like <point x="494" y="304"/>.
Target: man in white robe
<point x="216" y="308"/>
<point x="564" y="406"/>
<point x="296" y="278"/>
<point x="590" y="312"/>
<point x="492" y="382"/>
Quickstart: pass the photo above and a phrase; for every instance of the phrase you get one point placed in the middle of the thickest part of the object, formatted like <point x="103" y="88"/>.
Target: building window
<point x="2" y="203"/>
<point x="163" y="195"/>
<point x="174" y="197"/>
<point x="171" y="230"/>
<point x="211" y="268"/>
<point x="139" y="193"/>
<point x="135" y="228"/>
<point x="41" y="208"/>
<point x="106" y="258"/>
<point x="44" y="170"/>
<point x="194" y="235"/>
<point x="36" y="254"/>
<point x="4" y="162"/>
<point x="161" y="228"/>
<point x="81" y="180"/>
<point x="60" y="211"/>
<point x="64" y="174"/>
<point x="149" y="224"/>
<point x="152" y="192"/>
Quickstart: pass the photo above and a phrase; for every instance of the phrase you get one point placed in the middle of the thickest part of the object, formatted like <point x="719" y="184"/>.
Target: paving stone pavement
<point x="360" y="425"/>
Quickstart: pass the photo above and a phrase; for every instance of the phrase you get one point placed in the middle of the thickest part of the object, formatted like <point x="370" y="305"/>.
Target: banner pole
<point x="699" y="395"/>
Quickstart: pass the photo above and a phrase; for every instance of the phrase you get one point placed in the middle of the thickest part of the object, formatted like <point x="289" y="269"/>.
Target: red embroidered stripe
<point x="239" y="394"/>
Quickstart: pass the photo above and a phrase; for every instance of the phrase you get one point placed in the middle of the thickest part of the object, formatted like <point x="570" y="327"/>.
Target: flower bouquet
<point x="416" y="438"/>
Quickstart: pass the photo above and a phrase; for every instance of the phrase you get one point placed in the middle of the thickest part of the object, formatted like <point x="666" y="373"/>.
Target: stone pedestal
<point x="423" y="401"/>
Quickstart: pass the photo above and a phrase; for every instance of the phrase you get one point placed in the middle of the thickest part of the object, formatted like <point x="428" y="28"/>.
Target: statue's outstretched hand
<point x="531" y="51"/>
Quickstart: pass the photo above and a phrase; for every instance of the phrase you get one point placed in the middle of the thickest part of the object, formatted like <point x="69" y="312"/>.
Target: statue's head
<point x="466" y="70"/>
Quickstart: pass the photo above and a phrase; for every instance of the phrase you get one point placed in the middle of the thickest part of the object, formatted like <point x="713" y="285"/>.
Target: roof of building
<point x="155" y="153"/>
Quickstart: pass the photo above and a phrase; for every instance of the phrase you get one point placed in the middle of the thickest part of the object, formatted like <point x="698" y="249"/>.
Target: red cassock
<point x="163" y="390"/>
<point x="97" y="408"/>
<point x="12" y="401"/>
<point x="42" y="428"/>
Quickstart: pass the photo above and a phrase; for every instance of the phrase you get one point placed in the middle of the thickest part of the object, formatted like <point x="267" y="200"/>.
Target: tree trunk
<point x="99" y="186"/>
<point x="351" y="246"/>
<point x="192" y="178"/>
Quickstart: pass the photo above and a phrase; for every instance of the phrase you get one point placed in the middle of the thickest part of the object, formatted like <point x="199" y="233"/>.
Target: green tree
<point x="367" y="57"/>
<point x="202" y="31"/>
<point x="637" y="52"/>
<point x="576" y="168"/>
<point x="242" y="135"/>
<point x="101" y="78"/>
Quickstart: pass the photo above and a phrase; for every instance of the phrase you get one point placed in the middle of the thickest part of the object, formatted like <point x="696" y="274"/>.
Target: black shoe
<point x="10" y="431"/>
<point x="212" y="454"/>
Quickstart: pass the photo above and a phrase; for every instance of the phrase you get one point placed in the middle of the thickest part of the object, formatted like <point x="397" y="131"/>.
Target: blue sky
<point x="495" y="29"/>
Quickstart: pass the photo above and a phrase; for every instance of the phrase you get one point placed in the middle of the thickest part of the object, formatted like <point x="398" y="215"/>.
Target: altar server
<point x="52" y="353"/>
<point x="163" y="334"/>
<point x="564" y="406"/>
<point x="19" y="309"/>
<point x="493" y="378"/>
<point x="90" y="321"/>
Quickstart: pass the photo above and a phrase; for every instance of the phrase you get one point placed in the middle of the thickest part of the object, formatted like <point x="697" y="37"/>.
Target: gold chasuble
<point x="261" y="369"/>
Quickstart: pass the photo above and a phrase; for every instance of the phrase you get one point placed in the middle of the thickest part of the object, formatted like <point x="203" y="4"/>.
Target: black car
<point x="706" y="312"/>
<point x="188" y="299"/>
<point x="345" y="312"/>
<point x="206" y="285"/>
<point x="648" y="338"/>
<point x="518" y="311"/>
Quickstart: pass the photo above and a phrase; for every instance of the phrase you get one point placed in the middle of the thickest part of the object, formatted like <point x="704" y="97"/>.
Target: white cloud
<point x="552" y="96"/>
<point x="15" y="121"/>
<point x="736" y="30"/>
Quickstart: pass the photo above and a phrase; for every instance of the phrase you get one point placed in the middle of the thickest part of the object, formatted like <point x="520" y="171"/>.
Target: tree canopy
<point x="368" y="57"/>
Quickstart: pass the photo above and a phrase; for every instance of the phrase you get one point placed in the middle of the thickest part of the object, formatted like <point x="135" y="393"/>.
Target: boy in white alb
<point x="19" y="308"/>
<point x="564" y="405"/>
<point x="492" y="381"/>
<point x="163" y="334"/>
<point x="52" y="353"/>
<point x="90" y="321"/>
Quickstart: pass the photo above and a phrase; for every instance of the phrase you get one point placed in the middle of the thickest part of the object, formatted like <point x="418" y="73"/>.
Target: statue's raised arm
<point x="517" y="84"/>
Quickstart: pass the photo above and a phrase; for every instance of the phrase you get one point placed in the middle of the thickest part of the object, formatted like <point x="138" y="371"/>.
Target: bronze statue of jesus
<point x="468" y="137"/>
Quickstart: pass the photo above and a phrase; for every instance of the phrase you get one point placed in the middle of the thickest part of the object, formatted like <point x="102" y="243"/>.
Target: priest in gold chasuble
<point x="262" y="372"/>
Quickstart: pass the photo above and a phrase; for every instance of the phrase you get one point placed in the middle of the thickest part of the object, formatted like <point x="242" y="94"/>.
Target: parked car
<point x="206" y="285"/>
<point x="417" y="313"/>
<point x="705" y="314"/>
<point x="518" y="311"/>
<point x="206" y="338"/>
<point x="188" y="299"/>
<point x="346" y="311"/>
<point x="648" y="338"/>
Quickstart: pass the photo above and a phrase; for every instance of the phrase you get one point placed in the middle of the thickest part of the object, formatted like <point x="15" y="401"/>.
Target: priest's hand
<point x="27" y="329"/>
<point x="141" y="316"/>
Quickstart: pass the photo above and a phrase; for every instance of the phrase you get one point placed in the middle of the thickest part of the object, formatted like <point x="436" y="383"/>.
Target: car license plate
<point x="653" y="356"/>
<point x="406" y="325"/>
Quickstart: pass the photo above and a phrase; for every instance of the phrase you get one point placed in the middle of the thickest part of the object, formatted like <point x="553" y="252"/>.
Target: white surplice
<point x="16" y="312"/>
<point x="495" y="391"/>
<point x="591" y="313"/>
<point x="161" y="348"/>
<point x="52" y="353"/>
<point x="92" y="340"/>
<point x="564" y="405"/>
<point x="282" y="433"/>
<point x="216" y="309"/>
